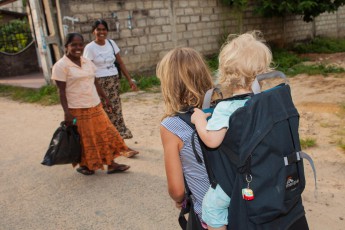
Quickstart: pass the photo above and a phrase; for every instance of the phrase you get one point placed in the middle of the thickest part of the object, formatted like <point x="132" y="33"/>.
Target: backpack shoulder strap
<point x="186" y="117"/>
<point x="208" y="97"/>
<point x="186" y="208"/>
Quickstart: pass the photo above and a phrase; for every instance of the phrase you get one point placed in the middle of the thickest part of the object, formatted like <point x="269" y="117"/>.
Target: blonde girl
<point x="185" y="78"/>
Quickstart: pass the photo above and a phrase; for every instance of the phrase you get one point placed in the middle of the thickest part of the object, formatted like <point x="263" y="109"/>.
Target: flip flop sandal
<point x="118" y="168"/>
<point x="85" y="171"/>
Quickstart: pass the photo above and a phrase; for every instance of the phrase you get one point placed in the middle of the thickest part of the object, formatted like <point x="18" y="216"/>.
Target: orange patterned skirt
<point x="100" y="140"/>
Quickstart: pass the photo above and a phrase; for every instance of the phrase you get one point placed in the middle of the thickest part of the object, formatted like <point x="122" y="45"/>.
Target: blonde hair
<point x="242" y="58"/>
<point x="185" y="78"/>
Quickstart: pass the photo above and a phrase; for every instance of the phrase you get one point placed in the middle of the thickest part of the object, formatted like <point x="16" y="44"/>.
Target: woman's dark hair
<point x="98" y="22"/>
<point x="70" y="36"/>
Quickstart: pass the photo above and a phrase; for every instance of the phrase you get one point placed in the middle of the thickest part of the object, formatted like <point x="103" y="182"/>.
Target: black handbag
<point x="116" y="63"/>
<point x="64" y="147"/>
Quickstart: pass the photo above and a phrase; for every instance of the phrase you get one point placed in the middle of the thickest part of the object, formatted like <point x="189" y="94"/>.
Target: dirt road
<point x="38" y="197"/>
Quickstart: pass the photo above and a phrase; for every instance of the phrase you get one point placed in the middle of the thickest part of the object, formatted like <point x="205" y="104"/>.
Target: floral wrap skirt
<point x="111" y="87"/>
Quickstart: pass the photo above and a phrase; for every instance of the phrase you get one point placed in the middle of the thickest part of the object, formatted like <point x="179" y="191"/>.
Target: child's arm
<point x="211" y="138"/>
<point x="173" y="167"/>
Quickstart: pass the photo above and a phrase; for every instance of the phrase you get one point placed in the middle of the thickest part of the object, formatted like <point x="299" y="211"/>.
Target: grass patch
<point x="284" y="60"/>
<point x="341" y="144"/>
<point x="320" y="45"/>
<point x="46" y="95"/>
<point x="291" y="64"/>
<point x="307" y="143"/>
<point x="313" y="70"/>
<point x="143" y="83"/>
<point x="326" y="125"/>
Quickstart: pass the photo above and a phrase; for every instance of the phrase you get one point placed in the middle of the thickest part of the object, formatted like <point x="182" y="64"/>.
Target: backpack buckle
<point x="292" y="158"/>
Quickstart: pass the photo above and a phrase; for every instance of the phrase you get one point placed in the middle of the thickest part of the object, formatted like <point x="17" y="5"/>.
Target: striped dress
<point x="195" y="173"/>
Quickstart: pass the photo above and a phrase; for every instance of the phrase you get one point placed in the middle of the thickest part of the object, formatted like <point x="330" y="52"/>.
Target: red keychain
<point x="247" y="193"/>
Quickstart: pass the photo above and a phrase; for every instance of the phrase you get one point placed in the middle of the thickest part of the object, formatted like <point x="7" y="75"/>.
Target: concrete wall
<point x="158" y="26"/>
<point x="22" y="63"/>
<point x="16" y="6"/>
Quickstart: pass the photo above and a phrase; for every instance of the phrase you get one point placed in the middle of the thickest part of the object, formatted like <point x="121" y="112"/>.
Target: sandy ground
<point x="33" y="196"/>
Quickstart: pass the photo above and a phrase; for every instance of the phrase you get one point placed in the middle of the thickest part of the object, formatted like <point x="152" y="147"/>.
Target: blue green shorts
<point x="215" y="207"/>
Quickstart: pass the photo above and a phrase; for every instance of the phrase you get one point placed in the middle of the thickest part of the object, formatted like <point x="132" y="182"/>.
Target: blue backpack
<point x="260" y="163"/>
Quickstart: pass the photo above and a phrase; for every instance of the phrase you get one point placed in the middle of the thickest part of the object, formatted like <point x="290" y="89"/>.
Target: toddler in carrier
<point x="240" y="61"/>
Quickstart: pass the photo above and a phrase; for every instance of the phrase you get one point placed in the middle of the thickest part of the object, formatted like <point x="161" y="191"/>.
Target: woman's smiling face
<point x="75" y="47"/>
<point x="100" y="32"/>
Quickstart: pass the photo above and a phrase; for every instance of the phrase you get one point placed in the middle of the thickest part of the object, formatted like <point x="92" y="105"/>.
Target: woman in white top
<point x="103" y="52"/>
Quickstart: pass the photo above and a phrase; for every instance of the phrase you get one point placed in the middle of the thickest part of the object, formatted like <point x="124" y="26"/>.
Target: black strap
<point x="112" y="47"/>
<point x="198" y="158"/>
<point x="116" y="63"/>
<point x="237" y="97"/>
<point x="184" y="210"/>
<point x="186" y="117"/>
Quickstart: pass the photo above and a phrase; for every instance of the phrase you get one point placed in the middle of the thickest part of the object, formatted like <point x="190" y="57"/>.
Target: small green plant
<point x="307" y="143"/>
<point x="341" y="144"/>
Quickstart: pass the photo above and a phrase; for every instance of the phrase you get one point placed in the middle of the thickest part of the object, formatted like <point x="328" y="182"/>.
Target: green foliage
<point x="15" y="36"/>
<point x="307" y="143"/>
<point x="239" y="4"/>
<point x="313" y="70"/>
<point x="289" y="63"/>
<point x="143" y="83"/>
<point x="284" y="60"/>
<point x="308" y="8"/>
<point x="320" y="45"/>
<point x="46" y="95"/>
<point x="212" y="62"/>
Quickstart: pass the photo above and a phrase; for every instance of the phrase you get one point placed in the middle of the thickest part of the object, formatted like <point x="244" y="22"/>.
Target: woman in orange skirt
<point x="80" y="99"/>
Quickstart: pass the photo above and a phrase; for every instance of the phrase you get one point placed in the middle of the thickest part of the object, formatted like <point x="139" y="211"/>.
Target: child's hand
<point x="199" y="115"/>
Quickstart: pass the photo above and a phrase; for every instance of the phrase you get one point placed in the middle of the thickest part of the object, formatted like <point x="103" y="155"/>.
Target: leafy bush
<point x="310" y="9"/>
<point x="15" y="36"/>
